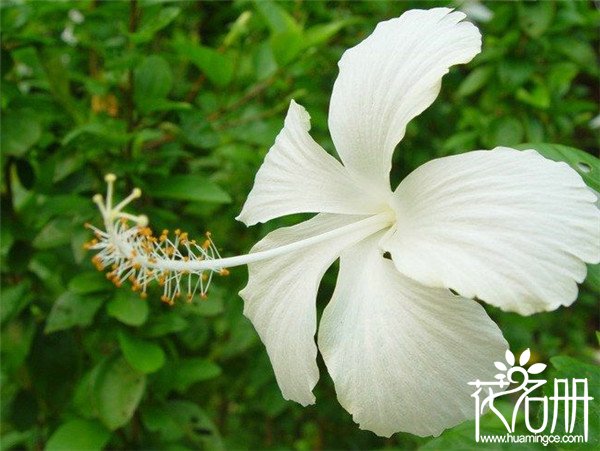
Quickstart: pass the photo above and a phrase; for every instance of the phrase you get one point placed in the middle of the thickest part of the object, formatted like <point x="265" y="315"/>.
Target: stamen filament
<point x="376" y="222"/>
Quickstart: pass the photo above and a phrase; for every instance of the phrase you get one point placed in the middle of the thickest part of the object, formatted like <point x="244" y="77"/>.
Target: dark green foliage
<point x="184" y="99"/>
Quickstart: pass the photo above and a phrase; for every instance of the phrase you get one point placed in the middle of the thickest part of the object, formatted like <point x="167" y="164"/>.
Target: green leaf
<point x="56" y="233"/>
<point x="154" y="23"/>
<point x="118" y="391"/>
<point x="593" y="278"/>
<point x="287" y="45"/>
<point x="128" y="308"/>
<point x="180" y="374"/>
<point x="538" y="97"/>
<point x="570" y="368"/>
<point x="141" y="354"/>
<point x="321" y="33"/>
<point x="152" y="82"/>
<point x="475" y="81"/>
<point x="21" y="129"/>
<point x="197" y="131"/>
<point x="584" y="163"/>
<point x="167" y="323"/>
<point x="177" y="419"/>
<point x="514" y="73"/>
<point x="112" y="131"/>
<point x="72" y="309"/>
<point x="14" y="299"/>
<point x="578" y="51"/>
<point x="89" y="282"/>
<point x="560" y="77"/>
<point x="218" y="67"/>
<point x="15" y="343"/>
<point x="188" y="188"/>
<point x="276" y="16"/>
<point x="506" y="131"/>
<point x="536" y="17"/>
<point x="78" y="435"/>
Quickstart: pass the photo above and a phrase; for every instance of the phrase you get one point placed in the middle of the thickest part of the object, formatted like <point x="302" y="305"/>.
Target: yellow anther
<point x="224" y="272"/>
<point x="110" y="178"/>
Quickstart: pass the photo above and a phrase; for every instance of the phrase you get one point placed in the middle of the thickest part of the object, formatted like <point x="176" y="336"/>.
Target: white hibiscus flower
<point x="508" y="227"/>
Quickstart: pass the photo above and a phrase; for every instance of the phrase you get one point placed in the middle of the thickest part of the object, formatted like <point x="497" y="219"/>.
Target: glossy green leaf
<point x="118" y="391"/>
<point x="593" y="278"/>
<point x="287" y="45"/>
<point x="578" y="51"/>
<point x="193" y="187"/>
<point x="176" y="419"/>
<point x="217" y="66"/>
<point x="14" y="299"/>
<point x="89" y="282"/>
<point x="570" y="368"/>
<point x="56" y="232"/>
<point x="537" y="17"/>
<point x="506" y="131"/>
<point x="167" y="323"/>
<point x="128" y="307"/>
<point x="181" y="374"/>
<point x="538" y="96"/>
<point x="475" y="81"/>
<point x="80" y="435"/>
<point x="153" y="81"/>
<point x="21" y="129"/>
<point x="276" y="17"/>
<point x="151" y="24"/>
<point x="72" y="309"/>
<point x="143" y="355"/>
<point x="321" y="33"/>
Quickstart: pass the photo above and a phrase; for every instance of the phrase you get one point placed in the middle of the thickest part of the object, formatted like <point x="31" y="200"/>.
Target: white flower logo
<point x="505" y="377"/>
<point x="508" y="227"/>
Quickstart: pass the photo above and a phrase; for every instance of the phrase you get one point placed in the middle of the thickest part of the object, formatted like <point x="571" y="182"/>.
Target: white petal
<point x="280" y="299"/>
<point x="298" y="176"/>
<point x="401" y="355"/>
<point x="511" y="228"/>
<point x="388" y="79"/>
<point x="524" y="358"/>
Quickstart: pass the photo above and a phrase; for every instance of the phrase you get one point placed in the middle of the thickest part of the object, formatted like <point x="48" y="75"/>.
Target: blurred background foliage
<point x="184" y="99"/>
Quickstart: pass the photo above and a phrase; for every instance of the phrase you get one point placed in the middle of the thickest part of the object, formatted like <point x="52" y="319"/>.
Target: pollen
<point x="128" y="246"/>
